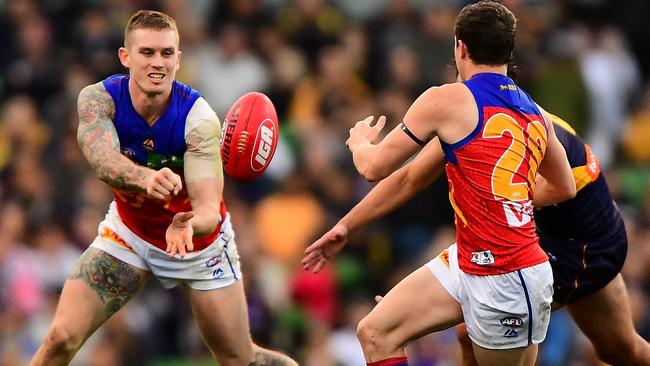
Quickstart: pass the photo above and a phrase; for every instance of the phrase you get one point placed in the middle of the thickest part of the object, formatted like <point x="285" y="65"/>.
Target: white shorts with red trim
<point x="503" y="311"/>
<point x="214" y="267"/>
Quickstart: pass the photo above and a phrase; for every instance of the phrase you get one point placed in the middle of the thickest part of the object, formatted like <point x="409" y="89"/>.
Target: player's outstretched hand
<point x="317" y="254"/>
<point x="179" y="234"/>
<point x="163" y="183"/>
<point x="364" y="131"/>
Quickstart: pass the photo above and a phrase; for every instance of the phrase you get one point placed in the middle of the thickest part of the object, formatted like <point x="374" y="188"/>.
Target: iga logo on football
<point x="263" y="145"/>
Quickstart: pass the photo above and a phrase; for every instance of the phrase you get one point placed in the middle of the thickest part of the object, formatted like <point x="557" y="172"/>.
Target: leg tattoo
<point x="264" y="357"/>
<point x="114" y="281"/>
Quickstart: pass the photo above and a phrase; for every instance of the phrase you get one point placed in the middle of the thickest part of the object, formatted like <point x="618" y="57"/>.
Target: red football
<point x="249" y="137"/>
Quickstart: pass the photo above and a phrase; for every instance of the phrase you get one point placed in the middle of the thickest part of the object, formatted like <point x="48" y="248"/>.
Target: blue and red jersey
<point x="157" y="146"/>
<point x="491" y="175"/>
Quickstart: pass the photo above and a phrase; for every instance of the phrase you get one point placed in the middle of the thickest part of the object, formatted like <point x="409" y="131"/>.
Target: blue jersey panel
<point x="157" y="146"/>
<point x="492" y="90"/>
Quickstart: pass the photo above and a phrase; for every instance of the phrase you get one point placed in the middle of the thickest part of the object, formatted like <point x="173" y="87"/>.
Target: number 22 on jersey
<point x="502" y="179"/>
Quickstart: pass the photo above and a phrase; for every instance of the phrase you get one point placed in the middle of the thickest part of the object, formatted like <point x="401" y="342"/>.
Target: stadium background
<point x="325" y="64"/>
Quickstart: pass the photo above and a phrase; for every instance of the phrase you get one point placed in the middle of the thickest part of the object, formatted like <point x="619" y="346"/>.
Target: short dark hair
<point x="488" y="29"/>
<point x="149" y="19"/>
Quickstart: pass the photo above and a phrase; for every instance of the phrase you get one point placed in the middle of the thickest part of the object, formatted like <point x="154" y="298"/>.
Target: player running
<point x="155" y="141"/>
<point x="495" y="140"/>
<point x="586" y="240"/>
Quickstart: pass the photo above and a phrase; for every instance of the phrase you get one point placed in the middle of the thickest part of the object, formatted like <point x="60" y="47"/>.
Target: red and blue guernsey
<point x="491" y="175"/>
<point x="157" y="146"/>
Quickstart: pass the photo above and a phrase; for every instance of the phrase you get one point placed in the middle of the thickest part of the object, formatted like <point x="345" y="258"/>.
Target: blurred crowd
<point x="324" y="64"/>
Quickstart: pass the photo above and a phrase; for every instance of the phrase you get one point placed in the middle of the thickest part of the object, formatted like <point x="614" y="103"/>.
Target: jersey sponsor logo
<point x="263" y="145"/>
<point x="482" y="258"/>
<point x="507" y="87"/>
<point x="518" y="214"/>
<point x="512" y="322"/>
<point x="511" y="333"/>
<point x="158" y="161"/>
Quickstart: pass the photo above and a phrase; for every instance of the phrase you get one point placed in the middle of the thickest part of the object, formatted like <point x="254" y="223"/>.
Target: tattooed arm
<point x="265" y="357"/>
<point x="99" y="142"/>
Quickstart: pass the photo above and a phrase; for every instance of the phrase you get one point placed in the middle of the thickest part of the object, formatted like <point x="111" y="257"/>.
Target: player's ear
<point x="123" y="55"/>
<point x="178" y="60"/>
<point x="462" y="49"/>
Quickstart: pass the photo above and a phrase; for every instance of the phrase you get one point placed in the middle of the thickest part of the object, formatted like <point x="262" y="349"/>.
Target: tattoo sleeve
<point x="100" y="144"/>
<point x="114" y="281"/>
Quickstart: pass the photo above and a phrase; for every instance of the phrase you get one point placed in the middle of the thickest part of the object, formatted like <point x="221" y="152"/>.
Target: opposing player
<point x="495" y="141"/>
<point x="586" y="240"/>
<point x="155" y="141"/>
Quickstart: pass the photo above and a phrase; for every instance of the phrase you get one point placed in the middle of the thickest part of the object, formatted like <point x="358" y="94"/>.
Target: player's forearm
<point x="99" y="141"/>
<point x="390" y="193"/>
<point x="206" y="219"/>
<point x="382" y="199"/>
<point x="120" y="172"/>
<point x="547" y="194"/>
<point x="205" y="197"/>
<point x="364" y="156"/>
<point x="399" y="187"/>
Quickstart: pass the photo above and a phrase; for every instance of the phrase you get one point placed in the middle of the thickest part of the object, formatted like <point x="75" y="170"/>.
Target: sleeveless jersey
<point x="591" y="214"/>
<point x="157" y="146"/>
<point x="491" y="175"/>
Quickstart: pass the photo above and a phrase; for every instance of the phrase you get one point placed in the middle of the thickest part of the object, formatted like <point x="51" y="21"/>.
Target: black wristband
<point x="410" y="134"/>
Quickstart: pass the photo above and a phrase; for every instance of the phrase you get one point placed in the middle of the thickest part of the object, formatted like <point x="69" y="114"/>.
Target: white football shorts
<point x="503" y="311"/>
<point x="214" y="267"/>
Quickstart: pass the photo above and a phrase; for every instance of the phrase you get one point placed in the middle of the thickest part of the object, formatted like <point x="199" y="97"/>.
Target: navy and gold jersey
<point x="592" y="213"/>
<point x="584" y="237"/>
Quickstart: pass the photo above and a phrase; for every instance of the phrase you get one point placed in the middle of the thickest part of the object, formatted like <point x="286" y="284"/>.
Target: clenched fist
<point x="163" y="183"/>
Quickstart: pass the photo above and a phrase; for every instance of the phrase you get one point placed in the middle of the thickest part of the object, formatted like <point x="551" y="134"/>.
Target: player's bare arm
<point x="99" y="142"/>
<point x="114" y="281"/>
<point x="556" y="183"/>
<point x="394" y="190"/>
<point x="376" y="159"/>
<point x="204" y="176"/>
<point x="429" y="113"/>
<point x="204" y="180"/>
<point x="390" y="193"/>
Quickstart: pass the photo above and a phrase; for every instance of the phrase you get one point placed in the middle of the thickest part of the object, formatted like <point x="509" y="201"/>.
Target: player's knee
<point x="61" y="340"/>
<point x="371" y="335"/>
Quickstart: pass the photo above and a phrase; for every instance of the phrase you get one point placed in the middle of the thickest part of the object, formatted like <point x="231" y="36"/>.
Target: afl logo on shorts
<point x="512" y="322"/>
<point x="213" y="261"/>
